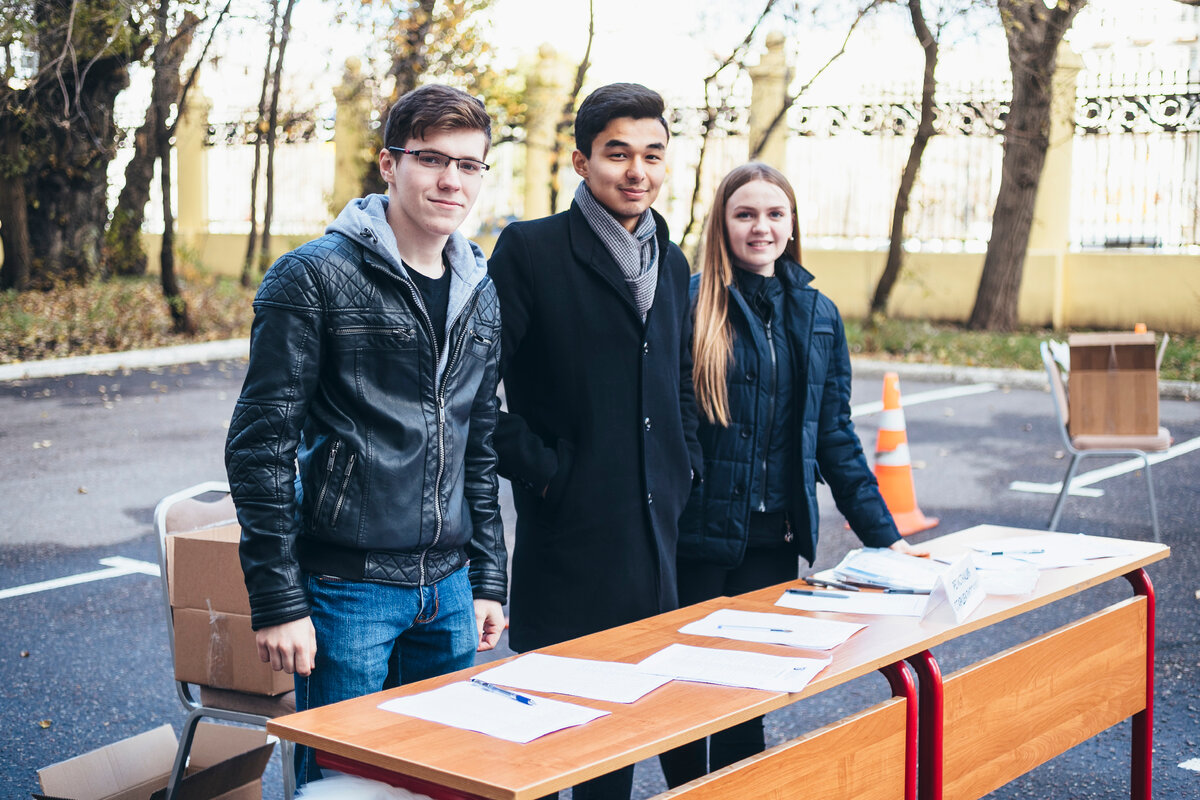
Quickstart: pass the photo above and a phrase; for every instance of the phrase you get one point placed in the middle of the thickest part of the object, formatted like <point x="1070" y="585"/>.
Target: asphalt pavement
<point x="88" y="456"/>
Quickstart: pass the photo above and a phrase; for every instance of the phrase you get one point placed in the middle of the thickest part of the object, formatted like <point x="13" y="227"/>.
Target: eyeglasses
<point x="432" y="159"/>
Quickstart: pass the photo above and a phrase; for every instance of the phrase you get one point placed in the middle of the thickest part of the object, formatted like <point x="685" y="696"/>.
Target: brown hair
<point x="712" y="344"/>
<point x="435" y="108"/>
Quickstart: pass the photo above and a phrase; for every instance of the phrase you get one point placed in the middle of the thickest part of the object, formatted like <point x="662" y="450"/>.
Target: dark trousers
<point x="698" y="581"/>
<point x="616" y="785"/>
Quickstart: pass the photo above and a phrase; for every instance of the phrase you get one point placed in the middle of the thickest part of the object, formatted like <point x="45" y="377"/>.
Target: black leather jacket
<point x="396" y="478"/>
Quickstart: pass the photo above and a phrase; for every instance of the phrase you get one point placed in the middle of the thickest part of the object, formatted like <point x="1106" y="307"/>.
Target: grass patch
<point x="130" y="313"/>
<point x="116" y="315"/>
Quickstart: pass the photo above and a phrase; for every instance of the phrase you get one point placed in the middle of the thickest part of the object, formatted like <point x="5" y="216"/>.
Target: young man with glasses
<point x="360" y="452"/>
<point x="599" y="438"/>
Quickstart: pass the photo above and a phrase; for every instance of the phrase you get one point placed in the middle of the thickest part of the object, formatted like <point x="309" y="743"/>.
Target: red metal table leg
<point x="415" y="785"/>
<point x="904" y="684"/>
<point x="929" y="772"/>
<point x="1141" y="766"/>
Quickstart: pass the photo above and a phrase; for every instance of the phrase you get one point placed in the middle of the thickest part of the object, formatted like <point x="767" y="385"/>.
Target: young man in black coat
<point x="599" y="439"/>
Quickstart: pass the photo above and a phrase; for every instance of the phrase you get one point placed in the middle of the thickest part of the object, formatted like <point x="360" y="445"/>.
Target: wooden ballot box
<point x="1113" y="385"/>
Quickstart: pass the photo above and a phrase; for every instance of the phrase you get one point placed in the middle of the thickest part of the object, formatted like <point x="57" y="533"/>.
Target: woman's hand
<point x="901" y="546"/>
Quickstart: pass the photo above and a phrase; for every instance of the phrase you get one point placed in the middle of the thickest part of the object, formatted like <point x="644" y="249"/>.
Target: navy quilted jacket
<point x="714" y="525"/>
<point x="356" y="449"/>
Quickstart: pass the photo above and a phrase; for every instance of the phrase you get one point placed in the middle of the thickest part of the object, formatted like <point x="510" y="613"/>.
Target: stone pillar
<point x="769" y="91"/>
<point x="191" y="172"/>
<point x="350" y="137"/>
<point x="1050" y="234"/>
<point x="545" y="92"/>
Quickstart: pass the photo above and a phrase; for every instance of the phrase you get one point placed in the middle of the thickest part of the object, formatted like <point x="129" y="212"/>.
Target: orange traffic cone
<point x="893" y="466"/>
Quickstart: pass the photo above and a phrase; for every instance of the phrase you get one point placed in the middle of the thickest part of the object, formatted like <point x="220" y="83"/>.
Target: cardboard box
<point x="1113" y="385"/>
<point x="226" y="763"/>
<point x="204" y="570"/>
<point x="214" y="643"/>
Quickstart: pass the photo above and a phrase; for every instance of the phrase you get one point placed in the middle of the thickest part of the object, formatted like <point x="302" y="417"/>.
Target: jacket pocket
<point x="333" y="495"/>
<point x="479" y="342"/>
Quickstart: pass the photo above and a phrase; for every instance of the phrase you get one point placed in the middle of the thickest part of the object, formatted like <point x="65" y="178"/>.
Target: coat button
<point x="649" y="498"/>
<point x="646" y="422"/>
<point x="746" y="432"/>
<point x="750" y="377"/>
<point x="645" y="348"/>
<point x="737" y="490"/>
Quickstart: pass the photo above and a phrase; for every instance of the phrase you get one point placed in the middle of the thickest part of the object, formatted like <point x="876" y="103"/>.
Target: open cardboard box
<point x="214" y="643"/>
<point x="226" y="763"/>
<point x="1113" y="384"/>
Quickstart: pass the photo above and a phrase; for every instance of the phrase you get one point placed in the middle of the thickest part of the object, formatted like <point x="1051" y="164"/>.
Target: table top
<point x="678" y="712"/>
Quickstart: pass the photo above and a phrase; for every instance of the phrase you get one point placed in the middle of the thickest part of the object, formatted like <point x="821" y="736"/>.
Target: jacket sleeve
<point x="264" y="433"/>
<point x="523" y="457"/>
<point x="486" y="550"/>
<point x="839" y="451"/>
<point x="688" y="412"/>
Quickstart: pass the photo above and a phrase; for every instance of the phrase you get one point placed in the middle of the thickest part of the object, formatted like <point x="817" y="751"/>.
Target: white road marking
<point x="117" y="566"/>
<point x="925" y="397"/>
<point x="1192" y="763"/>
<point x="1104" y="473"/>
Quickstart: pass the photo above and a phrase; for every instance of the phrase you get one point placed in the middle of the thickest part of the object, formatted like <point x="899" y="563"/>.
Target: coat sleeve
<point x="264" y="434"/>
<point x="486" y="550"/>
<point x="523" y="457"/>
<point x="839" y="451"/>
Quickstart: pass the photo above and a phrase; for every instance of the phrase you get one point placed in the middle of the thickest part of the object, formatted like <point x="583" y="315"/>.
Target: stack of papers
<point x="734" y="668"/>
<point x="884" y="568"/>
<point x="787" y="629"/>
<point x="580" y="677"/>
<point x="472" y="707"/>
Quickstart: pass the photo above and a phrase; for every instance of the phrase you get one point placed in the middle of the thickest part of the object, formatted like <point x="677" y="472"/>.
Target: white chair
<point x="178" y="513"/>
<point x="1106" y="445"/>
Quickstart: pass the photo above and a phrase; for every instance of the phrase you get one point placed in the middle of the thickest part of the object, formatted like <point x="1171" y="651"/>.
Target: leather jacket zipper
<point x="341" y="498"/>
<point x="333" y="452"/>
<point x="762" y="498"/>
<point x="352" y="330"/>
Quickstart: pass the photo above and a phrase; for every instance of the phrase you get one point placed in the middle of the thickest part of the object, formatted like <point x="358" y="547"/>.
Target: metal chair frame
<point x="1058" y="391"/>
<point x="193" y="701"/>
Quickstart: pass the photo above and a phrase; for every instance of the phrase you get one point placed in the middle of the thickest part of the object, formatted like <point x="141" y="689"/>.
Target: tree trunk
<point x="1034" y="33"/>
<point x="562" y="128"/>
<point x="259" y="125"/>
<point x="176" y="304"/>
<point x="14" y="222"/>
<point x="124" y="251"/>
<point x="895" y="258"/>
<point x="285" y="30"/>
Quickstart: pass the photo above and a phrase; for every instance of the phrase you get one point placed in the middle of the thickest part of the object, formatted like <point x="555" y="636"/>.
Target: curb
<point x="203" y="352"/>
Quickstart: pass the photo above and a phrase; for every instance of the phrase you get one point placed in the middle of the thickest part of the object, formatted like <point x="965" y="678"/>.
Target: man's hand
<point x="901" y="546"/>
<point x="291" y="646"/>
<point x="489" y="623"/>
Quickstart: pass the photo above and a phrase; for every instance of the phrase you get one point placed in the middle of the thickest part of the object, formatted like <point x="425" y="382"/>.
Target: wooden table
<point x="970" y="738"/>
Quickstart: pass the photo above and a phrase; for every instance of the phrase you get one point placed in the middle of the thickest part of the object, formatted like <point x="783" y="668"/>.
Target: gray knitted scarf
<point x="636" y="254"/>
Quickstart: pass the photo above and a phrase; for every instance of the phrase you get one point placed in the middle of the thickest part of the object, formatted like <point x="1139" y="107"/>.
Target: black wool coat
<point x="599" y="436"/>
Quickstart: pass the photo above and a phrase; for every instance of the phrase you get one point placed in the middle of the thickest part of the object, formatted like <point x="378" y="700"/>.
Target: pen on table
<point x="831" y="584"/>
<point x="491" y="687"/>
<point x="889" y="590"/>
<point x="815" y="593"/>
<point x="754" y="628"/>
<point x="1013" y="552"/>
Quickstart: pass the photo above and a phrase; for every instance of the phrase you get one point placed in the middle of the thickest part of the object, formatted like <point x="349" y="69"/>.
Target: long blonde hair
<point x="712" y="343"/>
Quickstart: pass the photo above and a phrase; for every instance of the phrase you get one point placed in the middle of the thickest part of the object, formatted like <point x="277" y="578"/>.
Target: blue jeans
<point x="376" y="636"/>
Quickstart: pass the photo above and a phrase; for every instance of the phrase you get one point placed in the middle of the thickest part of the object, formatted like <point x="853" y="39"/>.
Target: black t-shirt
<point x="435" y="293"/>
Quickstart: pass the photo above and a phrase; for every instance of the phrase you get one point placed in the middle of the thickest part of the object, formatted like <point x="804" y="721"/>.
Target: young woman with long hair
<point x="772" y="375"/>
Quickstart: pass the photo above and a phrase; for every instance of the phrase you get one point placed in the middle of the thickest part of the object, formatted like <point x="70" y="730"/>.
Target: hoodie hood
<point x="365" y="221"/>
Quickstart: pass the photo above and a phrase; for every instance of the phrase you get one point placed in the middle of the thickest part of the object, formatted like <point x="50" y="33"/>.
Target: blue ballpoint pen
<point x="491" y="687"/>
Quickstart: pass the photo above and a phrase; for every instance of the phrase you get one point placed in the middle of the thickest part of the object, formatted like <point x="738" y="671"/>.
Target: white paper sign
<point x="962" y="586"/>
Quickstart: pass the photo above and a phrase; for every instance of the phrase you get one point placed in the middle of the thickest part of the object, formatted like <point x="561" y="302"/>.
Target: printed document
<point x="734" y="668"/>
<point x="580" y="677"/>
<point x="874" y="603"/>
<point x="788" y="629"/>
<point x="471" y="707"/>
<point x="1053" y="550"/>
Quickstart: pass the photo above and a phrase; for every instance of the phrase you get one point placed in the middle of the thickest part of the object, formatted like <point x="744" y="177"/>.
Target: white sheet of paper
<point x="734" y="668"/>
<point x="789" y="629"/>
<point x="471" y="707"/>
<point x="580" y="677"/>
<point x="1053" y="550"/>
<point x="873" y="603"/>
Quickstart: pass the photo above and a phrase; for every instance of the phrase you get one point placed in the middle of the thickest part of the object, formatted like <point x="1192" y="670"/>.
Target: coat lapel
<point x="591" y="252"/>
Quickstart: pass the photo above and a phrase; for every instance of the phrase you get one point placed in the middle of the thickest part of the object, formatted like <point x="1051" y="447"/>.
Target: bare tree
<point x="895" y="257"/>
<point x="1034" y="33"/>
<point x="285" y="30"/>
<point x="562" y="128"/>
<point x="260" y="124"/>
